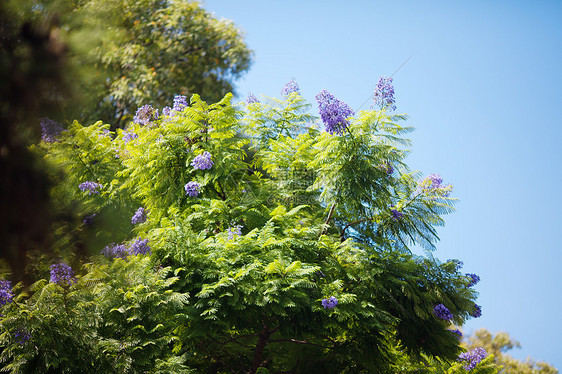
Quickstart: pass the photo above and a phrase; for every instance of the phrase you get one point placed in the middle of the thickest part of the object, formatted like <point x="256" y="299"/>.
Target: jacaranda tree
<point x="243" y="238"/>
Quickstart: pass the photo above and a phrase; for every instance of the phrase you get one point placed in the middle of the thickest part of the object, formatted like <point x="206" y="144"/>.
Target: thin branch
<point x="296" y="342"/>
<point x="328" y="219"/>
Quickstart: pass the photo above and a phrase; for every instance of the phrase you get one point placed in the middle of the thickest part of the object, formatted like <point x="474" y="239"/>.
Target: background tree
<point x="150" y="50"/>
<point x="501" y="343"/>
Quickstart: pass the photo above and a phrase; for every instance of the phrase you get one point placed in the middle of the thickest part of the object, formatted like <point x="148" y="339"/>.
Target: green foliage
<point x="315" y="218"/>
<point x="119" y="317"/>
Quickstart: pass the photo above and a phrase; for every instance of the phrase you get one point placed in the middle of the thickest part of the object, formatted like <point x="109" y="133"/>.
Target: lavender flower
<point x="236" y="230"/>
<point x="477" y="312"/>
<point x="92" y="187"/>
<point x="62" y="274"/>
<point x="251" y="99"/>
<point x="6" y="294"/>
<point x="472" y="358"/>
<point x="180" y="102"/>
<point x="50" y="130"/>
<point x="145" y="114"/>
<point x="387" y="166"/>
<point x="202" y="161"/>
<point x="458" y="332"/>
<point x="329" y="303"/>
<point x="88" y="220"/>
<point x="192" y="189"/>
<point x="140" y="247"/>
<point x="115" y="251"/>
<point x="473" y="279"/>
<point x="128" y="136"/>
<point x="384" y="94"/>
<point x="442" y="312"/>
<point x="396" y="215"/>
<point x="22" y="335"/>
<point x="139" y="216"/>
<point x="167" y="111"/>
<point x="334" y="113"/>
<point x="290" y="87"/>
<point x="458" y="264"/>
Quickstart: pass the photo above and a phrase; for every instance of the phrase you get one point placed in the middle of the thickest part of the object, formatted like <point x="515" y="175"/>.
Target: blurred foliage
<point x="146" y="51"/>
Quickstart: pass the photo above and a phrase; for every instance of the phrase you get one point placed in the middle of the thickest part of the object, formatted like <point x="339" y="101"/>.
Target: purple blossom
<point x="329" y="303"/>
<point x="139" y="216"/>
<point x="202" y="161"/>
<point x="387" y="167"/>
<point x="290" y="87"/>
<point x="472" y="358"/>
<point x="180" y="102"/>
<point x="140" y="247"/>
<point x="442" y="312"/>
<point x="192" y="189"/>
<point x="473" y="279"/>
<point x="145" y="114"/>
<point x="236" y="230"/>
<point x="396" y="215"/>
<point x="458" y="332"/>
<point x="50" y="130"/>
<point x="251" y="99"/>
<point x="62" y="274"/>
<point x="384" y="94"/>
<point x="128" y="136"/>
<point x="22" y="335"/>
<point x="92" y="187"/>
<point x="6" y="294"/>
<point x="334" y="112"/>
<point x="88" y="220"/>
<point x="115" y="251"/>
<point x="167" y="111"/>
<point x="477" y="311"/>
<point x="458" y="263"/>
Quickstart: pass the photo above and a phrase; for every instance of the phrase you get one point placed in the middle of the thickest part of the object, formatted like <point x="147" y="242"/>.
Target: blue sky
<point x="483" y="90"/>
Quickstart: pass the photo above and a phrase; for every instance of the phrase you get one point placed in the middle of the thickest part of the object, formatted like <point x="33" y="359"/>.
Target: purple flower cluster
<point x="202" y="161"/>
<point x="251" y="99"/>
<point x="388" y="168"/>
<point x="115" y="251"/>
<point x="396" y="215"/>
<point x="6" y="294"/>
<point x="472" y="358"/>
<point x="139" y="247"/>
<point x="334" y="112"/>
<point x="180" y="102"/>
<point x="62" y="274"/>
<point x="458" y="332"/>
<point x="139" y="216"/>
<point x="442" y="312"/>
<point x="458" y="263"/>
<point x="477" y="312"/>
<point x="91" y="187"/>
<point x="236" y="230"/>
<point x="433" y="183"/>
<point x="22" y="336"/>
<point x="145" y="114"/>
<point x="473" y="279"/>
<point x="50" y="130"/>
<point x="290" y="87"/>
<point x="329" y="303"/>
<point x="192" y="189"/>
<point x="88" y="220"/>
<point x="167" y="111"/>
<point x="384" y="94"/>
<point x="128" y="136"/>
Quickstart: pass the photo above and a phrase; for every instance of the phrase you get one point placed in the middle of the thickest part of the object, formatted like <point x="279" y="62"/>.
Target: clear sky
<point x="483" y="90"/>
